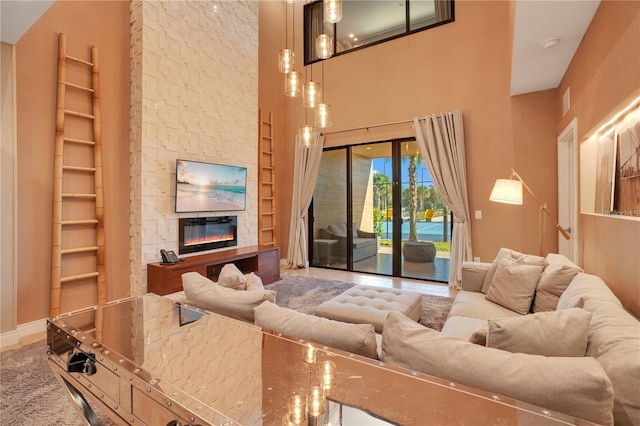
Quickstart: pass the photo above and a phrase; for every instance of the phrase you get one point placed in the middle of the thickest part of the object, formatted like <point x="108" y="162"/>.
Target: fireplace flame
<point x="208" y="239"/>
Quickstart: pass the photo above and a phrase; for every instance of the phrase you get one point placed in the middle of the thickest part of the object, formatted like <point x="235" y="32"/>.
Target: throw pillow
<point x="231" y="277"/>
<point x="339" y="229"/>
<point x="254" y="282"/>
<point x="554" y="280"/>
<point x="558" y="333"/>
<point x="514" y="285"/>
<point x="205" y="294"/>
<point x="479" y="337"/>
<point x="575" y="386"/>
<point x="505" y="253"/>
<point x="355" y="338"/>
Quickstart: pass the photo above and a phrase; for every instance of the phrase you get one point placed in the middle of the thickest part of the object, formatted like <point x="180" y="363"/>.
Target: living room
<point x="192" y="92"/>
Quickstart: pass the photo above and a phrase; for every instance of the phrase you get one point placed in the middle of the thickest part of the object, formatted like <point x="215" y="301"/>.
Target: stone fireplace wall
<point x="194" y="96"/>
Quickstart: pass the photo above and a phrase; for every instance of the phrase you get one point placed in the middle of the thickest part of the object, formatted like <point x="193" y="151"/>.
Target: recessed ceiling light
<point x="551" y="42"/>
<point x="351" y="35"/>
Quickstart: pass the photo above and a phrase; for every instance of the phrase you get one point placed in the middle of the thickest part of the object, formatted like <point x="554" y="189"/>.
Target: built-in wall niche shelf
<point x="610" y="166"/>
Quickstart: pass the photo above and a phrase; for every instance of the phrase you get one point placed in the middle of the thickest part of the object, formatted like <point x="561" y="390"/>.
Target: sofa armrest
<point x="473" y="274"/>
<point x="365" y="234"/>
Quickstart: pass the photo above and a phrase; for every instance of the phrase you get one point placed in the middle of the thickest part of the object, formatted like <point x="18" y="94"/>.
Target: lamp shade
<point x="306" y="136"/>
<point x="286" y="60"/>
<point x="292" y="84"/>
<point x="507" y="191"/>
<point x="324" y="46"/>
<point x="332" y="11"/>
<point x="311" y="94"/>
<point x="323" y="115"/>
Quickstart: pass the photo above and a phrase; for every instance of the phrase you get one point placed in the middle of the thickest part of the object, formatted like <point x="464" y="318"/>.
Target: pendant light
<point x="306" y="136"/>
<point x="306" y="133"/>
<point x="286" y="57"/>
<point x="311" y="95"/>
<point x="293" y="79"/>
<point x="323" y="111"/>
<point x="332" y="11"/>
<point x="324" y="46"/>
<point x="293" y="84"/>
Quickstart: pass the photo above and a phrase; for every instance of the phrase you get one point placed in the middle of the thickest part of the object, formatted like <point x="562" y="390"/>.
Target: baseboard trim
<point x="24" y="330"/>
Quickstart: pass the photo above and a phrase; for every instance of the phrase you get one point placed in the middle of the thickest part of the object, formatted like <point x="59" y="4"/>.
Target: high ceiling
<point x="534" y="67"/>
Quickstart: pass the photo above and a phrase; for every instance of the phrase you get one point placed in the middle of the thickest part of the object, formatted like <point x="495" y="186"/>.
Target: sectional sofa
<point x="534" y="329"/>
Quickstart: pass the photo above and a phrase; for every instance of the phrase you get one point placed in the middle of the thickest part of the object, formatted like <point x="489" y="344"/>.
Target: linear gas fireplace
<point x="207" y="233"/>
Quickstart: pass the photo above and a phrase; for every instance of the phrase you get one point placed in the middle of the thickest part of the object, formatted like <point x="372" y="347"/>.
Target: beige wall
<point x="603" y="77"/>
<point x="463" y="65"/>
<point x="194" y="97"/>
<point x="106" y="25"/>
<point x="7" y="193"/>
<point x="466" y="65"/>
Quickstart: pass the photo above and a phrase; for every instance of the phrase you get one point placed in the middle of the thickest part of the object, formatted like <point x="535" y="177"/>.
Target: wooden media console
<point x="165" y="278"/>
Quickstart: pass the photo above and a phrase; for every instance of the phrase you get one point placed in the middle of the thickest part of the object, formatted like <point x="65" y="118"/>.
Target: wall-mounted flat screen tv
<point x="208" y="187"/>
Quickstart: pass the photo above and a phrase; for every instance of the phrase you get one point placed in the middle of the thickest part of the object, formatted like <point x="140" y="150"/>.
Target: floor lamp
<point x="509" y="191"/>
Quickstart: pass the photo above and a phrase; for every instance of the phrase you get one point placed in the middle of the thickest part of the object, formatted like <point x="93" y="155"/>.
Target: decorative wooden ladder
<point x="75" y="187"/>
<point x="266" y="182"/>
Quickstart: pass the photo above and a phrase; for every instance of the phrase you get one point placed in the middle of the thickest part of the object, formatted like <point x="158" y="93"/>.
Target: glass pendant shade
<point x="332" y="11"/>
<point x="323" y="115"/>
<point x="311" y="95"/>
<point x="306" y="136"/>
<point x="324" y="46"/>
<point x="292" y="84"/>
<point x="286" y="60"/>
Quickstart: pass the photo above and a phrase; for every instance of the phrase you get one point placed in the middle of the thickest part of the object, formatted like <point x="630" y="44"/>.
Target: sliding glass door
<point x="375" y="210"/>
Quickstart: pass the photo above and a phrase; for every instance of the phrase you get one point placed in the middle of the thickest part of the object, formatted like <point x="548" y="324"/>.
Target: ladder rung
<point x="79" y="169"/>
<point x="267" y="137"/>
<point x="267" y="183"/>
<point x="267" y="198"/>
<point x="77" y="86"/>
<point x="80" y="222"/>
<point x="79" y="250"/>
<point x="79" y="114"/>
<point x="79" y="277"/>
<point x="82" y="61"/>
<point x="268" y="214"/>
<point x="78" y="195"/>
<point x="89" y="330"/>
<point x="79" y="141"/>
<point x="268" y="152"/>
<point x="267" y="167"/>
<point x="268" y="229"/>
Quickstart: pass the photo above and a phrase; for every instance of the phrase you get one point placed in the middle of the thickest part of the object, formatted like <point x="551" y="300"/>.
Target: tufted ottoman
<point x="364" y="304"/>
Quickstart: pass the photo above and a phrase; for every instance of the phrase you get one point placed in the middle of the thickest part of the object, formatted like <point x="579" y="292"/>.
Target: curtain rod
<point x="366" y="127"/>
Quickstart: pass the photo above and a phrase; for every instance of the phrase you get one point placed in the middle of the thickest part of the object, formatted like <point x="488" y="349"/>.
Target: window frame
<point x="309" y="41"/>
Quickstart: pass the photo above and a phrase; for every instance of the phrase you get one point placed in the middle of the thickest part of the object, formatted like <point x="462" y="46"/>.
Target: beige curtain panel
<point x="305" y="172"/>
<point x="441" y="141"/>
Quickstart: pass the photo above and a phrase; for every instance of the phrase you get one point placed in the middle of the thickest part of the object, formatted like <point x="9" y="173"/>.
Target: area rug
<point x="304" y="294"/>
<point x="30" y="395"/>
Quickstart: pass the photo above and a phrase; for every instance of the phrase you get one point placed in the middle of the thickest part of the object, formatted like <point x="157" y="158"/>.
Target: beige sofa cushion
<point x="254" y="282"/>
<point x="205" y="294"/>
<point x="614" y="340"/>
<point x="574" y="386"/>
<point x="514" y="285"/>
<point x="355" y="338"/>
<point x="474" y="305"/>
<point x="559" y="333"/>
<point x="504" y="253"/>
<point x="583" y="287"/>
<point x="557" y="275"/>
<point x="231" y="277"/>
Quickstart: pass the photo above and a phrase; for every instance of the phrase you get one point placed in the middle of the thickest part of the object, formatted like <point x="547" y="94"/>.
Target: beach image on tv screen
<point x="209" y="187"/>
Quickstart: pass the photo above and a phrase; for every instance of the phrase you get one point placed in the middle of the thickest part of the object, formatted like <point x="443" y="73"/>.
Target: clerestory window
<point x="368" y="22"/>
